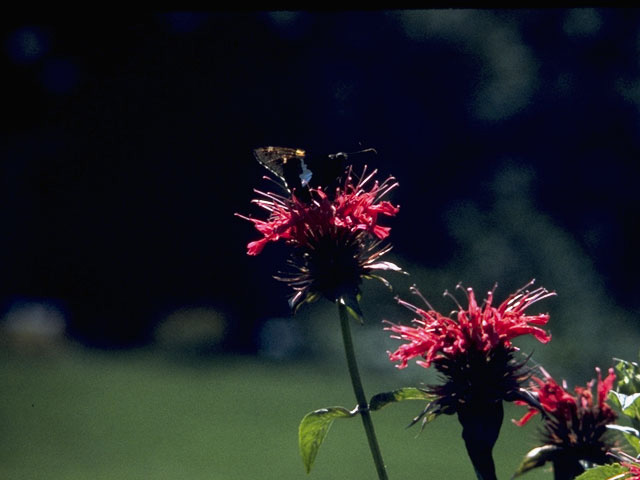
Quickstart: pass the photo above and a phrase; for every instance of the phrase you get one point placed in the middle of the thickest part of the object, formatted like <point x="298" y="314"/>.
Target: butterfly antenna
<point x="346" y="155"/>
<point x="366" y="150"/>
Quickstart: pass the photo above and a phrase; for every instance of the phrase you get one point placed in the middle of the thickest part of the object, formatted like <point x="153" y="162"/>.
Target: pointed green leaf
<point x="536" y="458"/>
<point x="352" y="304"/>
<point x="314" y="428"/>
<point x="628" y="404"/>
<point x="615" y="399"/>
<point x="627" y="401"/>
<point x="631" y="434"/>
<point x="427" y="415"/>
<point x="634" y="441"/>
<point x="408" y="393"/>
<point x="628" y="430"/>
<point x="428" y="418"/>
<point x="605" y="472"/>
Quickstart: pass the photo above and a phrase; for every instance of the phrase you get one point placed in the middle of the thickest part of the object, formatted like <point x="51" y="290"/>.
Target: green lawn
<point x="139" y="415"/>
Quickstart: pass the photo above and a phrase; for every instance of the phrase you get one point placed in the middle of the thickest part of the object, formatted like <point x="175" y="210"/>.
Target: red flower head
<point x="478" y="328"/>
<point x="336" y="238"/>
<point x="575" y="426"/>
<point x="474" y="354"/>
<point x="568" y="418"/>
<point x="353" y="208"/>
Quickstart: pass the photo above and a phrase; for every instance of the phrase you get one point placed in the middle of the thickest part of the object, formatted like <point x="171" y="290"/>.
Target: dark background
<point x="126" y="147"/>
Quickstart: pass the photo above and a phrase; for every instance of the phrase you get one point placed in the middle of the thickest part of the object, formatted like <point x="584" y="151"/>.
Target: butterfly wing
<point x="285" y="163"/>
<point x="331" y="171"/>
<point x="288" y="164"/>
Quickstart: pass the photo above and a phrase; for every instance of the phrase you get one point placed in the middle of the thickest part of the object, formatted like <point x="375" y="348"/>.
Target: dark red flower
<point x="336" y="237"/>
<point x="574" y="426"/>
<point x="572" y="420"/>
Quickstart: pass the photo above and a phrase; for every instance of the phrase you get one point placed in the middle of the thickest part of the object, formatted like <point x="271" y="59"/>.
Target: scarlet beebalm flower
<point x="480" y="328"/>
<point x="474" y="354"/>
<point x="352" y="208"/>
<point x="337" y="238"/>
<point x="577" y="424"/>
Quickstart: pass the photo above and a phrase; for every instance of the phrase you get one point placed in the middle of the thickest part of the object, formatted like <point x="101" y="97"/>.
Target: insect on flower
<point x="335" y="230"/>
<point x="285" y="163"/>
<point x="289" y="166"/>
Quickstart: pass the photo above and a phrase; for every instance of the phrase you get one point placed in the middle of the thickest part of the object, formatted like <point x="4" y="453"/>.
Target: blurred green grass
<point x="80" y="414"/>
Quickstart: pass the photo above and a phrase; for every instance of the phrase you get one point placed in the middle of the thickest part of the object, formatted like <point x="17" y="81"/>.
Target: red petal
<point x="527" y="416"/>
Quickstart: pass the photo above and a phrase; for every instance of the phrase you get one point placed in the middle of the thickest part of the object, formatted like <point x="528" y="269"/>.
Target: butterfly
<point x="288" y="164"/>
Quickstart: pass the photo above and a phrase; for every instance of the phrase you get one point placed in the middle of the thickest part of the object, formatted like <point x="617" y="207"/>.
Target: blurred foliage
<point x="627" y="377"/>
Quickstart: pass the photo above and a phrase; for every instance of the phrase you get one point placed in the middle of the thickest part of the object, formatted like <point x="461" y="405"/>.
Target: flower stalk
<point x="566" y="467"/>
<point x="358" y="390"/>
<point x="337" y="242"/>
<point x="480" y="429"/>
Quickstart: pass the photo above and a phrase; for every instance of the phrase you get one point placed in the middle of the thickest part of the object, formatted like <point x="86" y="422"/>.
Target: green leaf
<point x="628" y="430"/>
<point x="628" y="404"/>
<point x="615" y="399"/>
<point x="408" y="393"/>
<point x="536" y="458"/>
<point x="634" y="441"/>
<point x="427" y="417"/>
<point x="430" y="412"/>
<point x="352" y="304"/>
<point x="314" y="428"/>
<point x="628" y="376"/>
<point x="631" y="434"/>
<point x="605" y="472"/>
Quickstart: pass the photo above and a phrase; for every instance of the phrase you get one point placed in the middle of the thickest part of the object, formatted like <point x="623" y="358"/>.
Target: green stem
<point x="363" y="406"/>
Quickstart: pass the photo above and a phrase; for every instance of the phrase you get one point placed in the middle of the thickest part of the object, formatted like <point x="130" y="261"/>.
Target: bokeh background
<point x="137" y="338"/>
